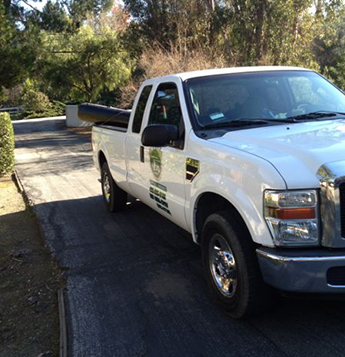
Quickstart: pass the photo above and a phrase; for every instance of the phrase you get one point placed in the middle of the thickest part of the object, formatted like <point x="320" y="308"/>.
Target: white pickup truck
<point x="251" y="162"/>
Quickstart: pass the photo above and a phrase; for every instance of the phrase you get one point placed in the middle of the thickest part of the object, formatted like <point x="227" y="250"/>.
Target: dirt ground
<point x="29" y="281"/>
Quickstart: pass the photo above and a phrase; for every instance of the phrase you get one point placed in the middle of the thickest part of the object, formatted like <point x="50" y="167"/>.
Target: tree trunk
<point x="260" y="18"/>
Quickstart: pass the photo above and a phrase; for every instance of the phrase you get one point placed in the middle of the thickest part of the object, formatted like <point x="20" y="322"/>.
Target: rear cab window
<point x="140" y="109"/>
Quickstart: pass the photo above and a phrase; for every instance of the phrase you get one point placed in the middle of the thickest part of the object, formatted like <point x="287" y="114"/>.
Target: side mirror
<point x="159" y="135"/>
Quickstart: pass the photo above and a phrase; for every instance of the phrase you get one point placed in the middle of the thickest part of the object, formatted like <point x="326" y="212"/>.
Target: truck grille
<point x="332" y="197"/>
<point x="342" y="208"/>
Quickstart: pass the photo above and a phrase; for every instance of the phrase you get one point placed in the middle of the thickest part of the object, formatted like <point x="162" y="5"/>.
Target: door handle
<point x="142" y="154"/>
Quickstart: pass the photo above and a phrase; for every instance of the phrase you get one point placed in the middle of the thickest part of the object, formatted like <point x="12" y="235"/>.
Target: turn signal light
<point x="292" y="213"/>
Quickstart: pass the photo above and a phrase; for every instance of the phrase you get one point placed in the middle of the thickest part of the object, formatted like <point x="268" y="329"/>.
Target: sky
<point x="37" y="5"/>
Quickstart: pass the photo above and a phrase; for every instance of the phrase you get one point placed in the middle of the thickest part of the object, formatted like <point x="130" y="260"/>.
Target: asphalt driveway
<point x="135" y="286"/>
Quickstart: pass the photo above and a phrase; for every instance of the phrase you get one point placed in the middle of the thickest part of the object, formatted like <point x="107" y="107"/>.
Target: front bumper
<point x="304" y="271"/>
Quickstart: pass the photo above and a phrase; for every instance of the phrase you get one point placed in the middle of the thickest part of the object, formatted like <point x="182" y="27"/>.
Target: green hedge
<point x="6" y="144"/>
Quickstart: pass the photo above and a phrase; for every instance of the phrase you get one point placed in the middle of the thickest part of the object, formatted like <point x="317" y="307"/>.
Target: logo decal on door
<point x="156" y="162"/>
<point x="158" y="193"/>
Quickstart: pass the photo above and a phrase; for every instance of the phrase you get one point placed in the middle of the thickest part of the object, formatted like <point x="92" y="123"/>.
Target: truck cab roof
<point x="214" y="72"/>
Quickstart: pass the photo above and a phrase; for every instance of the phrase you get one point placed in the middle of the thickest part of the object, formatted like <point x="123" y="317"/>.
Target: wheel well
<point x="101" y="159"/>
<point x="210" y="203"/>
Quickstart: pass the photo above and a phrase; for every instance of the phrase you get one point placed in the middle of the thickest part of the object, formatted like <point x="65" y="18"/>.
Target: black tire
<point x="115" y="199"/>
<point x="240" y="289"/>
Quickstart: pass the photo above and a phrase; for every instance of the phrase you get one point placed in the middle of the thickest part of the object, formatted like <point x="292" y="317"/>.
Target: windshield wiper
<point x="247" y="121"/>
<point x="316" y="115"/>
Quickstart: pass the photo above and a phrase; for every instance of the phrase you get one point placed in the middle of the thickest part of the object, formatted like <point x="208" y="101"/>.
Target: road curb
<point x="18" y="183"/>
<point x="63" y="327"/>
<point x="21" y="190"/>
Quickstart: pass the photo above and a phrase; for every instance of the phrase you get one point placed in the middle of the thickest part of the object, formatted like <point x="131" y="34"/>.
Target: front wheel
<point x="115" y="199"/>
<point x="231" y="266"/>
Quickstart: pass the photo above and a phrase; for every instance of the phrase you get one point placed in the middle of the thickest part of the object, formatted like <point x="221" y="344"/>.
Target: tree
<point x="246" y="32"/>
<point x="16" y="53"/>
<point x="78" y="10"/>
<point x="170" y="22"/>
<point x="53" y="17"/>
<point x="56" y="15"/>
<point x="268" y="32"/>
<point x="82" y="64"/>
<point x="329" y="49"/>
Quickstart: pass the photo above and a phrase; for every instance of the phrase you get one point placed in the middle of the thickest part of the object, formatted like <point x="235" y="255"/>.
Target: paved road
<point x="135" y="283"/>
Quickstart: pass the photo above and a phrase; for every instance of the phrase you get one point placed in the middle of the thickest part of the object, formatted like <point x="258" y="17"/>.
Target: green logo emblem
<point x="156" y="162"/>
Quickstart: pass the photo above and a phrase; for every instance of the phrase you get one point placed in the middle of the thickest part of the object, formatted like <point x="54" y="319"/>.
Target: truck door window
<point x="139" y="112"/>
<point x="166" y="107"/>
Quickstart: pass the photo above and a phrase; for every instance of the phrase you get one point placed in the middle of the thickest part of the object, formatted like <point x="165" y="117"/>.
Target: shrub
<point x="35" y="101"/>
<point x="6" y="144"/>
<point x="37" y="104"/>
<point x="156" y="61"/>
<point x="55" y="109"/>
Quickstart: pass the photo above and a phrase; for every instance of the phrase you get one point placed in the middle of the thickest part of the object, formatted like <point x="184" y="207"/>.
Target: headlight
<point x="292" y="217"/>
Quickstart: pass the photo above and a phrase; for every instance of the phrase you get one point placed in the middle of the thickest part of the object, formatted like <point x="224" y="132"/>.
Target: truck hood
<point x="296" y="150"/>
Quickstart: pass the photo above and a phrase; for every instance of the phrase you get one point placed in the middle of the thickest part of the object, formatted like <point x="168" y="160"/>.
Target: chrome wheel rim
<point x="106" y="186"/>
<point x="222" y="266"/>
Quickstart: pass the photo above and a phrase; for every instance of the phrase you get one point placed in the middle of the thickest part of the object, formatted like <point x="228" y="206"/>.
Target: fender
<point x="100" y="147"/>
<point x="242" y="185"/>
<point x="112" y="143"/>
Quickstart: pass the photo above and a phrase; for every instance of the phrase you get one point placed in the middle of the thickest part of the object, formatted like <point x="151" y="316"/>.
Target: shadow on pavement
<point x="135" y="281"/>
<point x="136" y="286"/>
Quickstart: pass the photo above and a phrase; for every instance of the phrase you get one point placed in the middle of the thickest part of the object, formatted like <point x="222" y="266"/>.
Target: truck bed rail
<point x="100" y="114"/>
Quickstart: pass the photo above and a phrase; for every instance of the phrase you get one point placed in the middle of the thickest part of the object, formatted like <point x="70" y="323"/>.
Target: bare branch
<point x="32" y="7"/>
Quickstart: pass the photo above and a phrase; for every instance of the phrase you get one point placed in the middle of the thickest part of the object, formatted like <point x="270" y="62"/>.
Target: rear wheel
<point x="115" y="199"/>
<point x="231" y="266"/>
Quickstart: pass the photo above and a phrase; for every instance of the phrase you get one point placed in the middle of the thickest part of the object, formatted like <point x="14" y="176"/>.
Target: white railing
<point x="12" y="110"/>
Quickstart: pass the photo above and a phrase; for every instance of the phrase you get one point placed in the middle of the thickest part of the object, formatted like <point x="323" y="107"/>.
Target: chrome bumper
<point x="304" y="271"/>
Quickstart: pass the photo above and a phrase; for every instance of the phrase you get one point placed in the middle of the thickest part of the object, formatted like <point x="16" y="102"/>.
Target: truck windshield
<point x="271" y="95"/>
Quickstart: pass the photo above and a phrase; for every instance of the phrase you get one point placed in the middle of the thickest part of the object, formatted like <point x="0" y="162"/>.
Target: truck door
<point x="163" y="170"/>
<point x="134" y="150"/>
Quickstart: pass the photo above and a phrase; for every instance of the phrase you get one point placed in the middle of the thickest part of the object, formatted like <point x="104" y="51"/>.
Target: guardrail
<point x="12" y="110"/>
